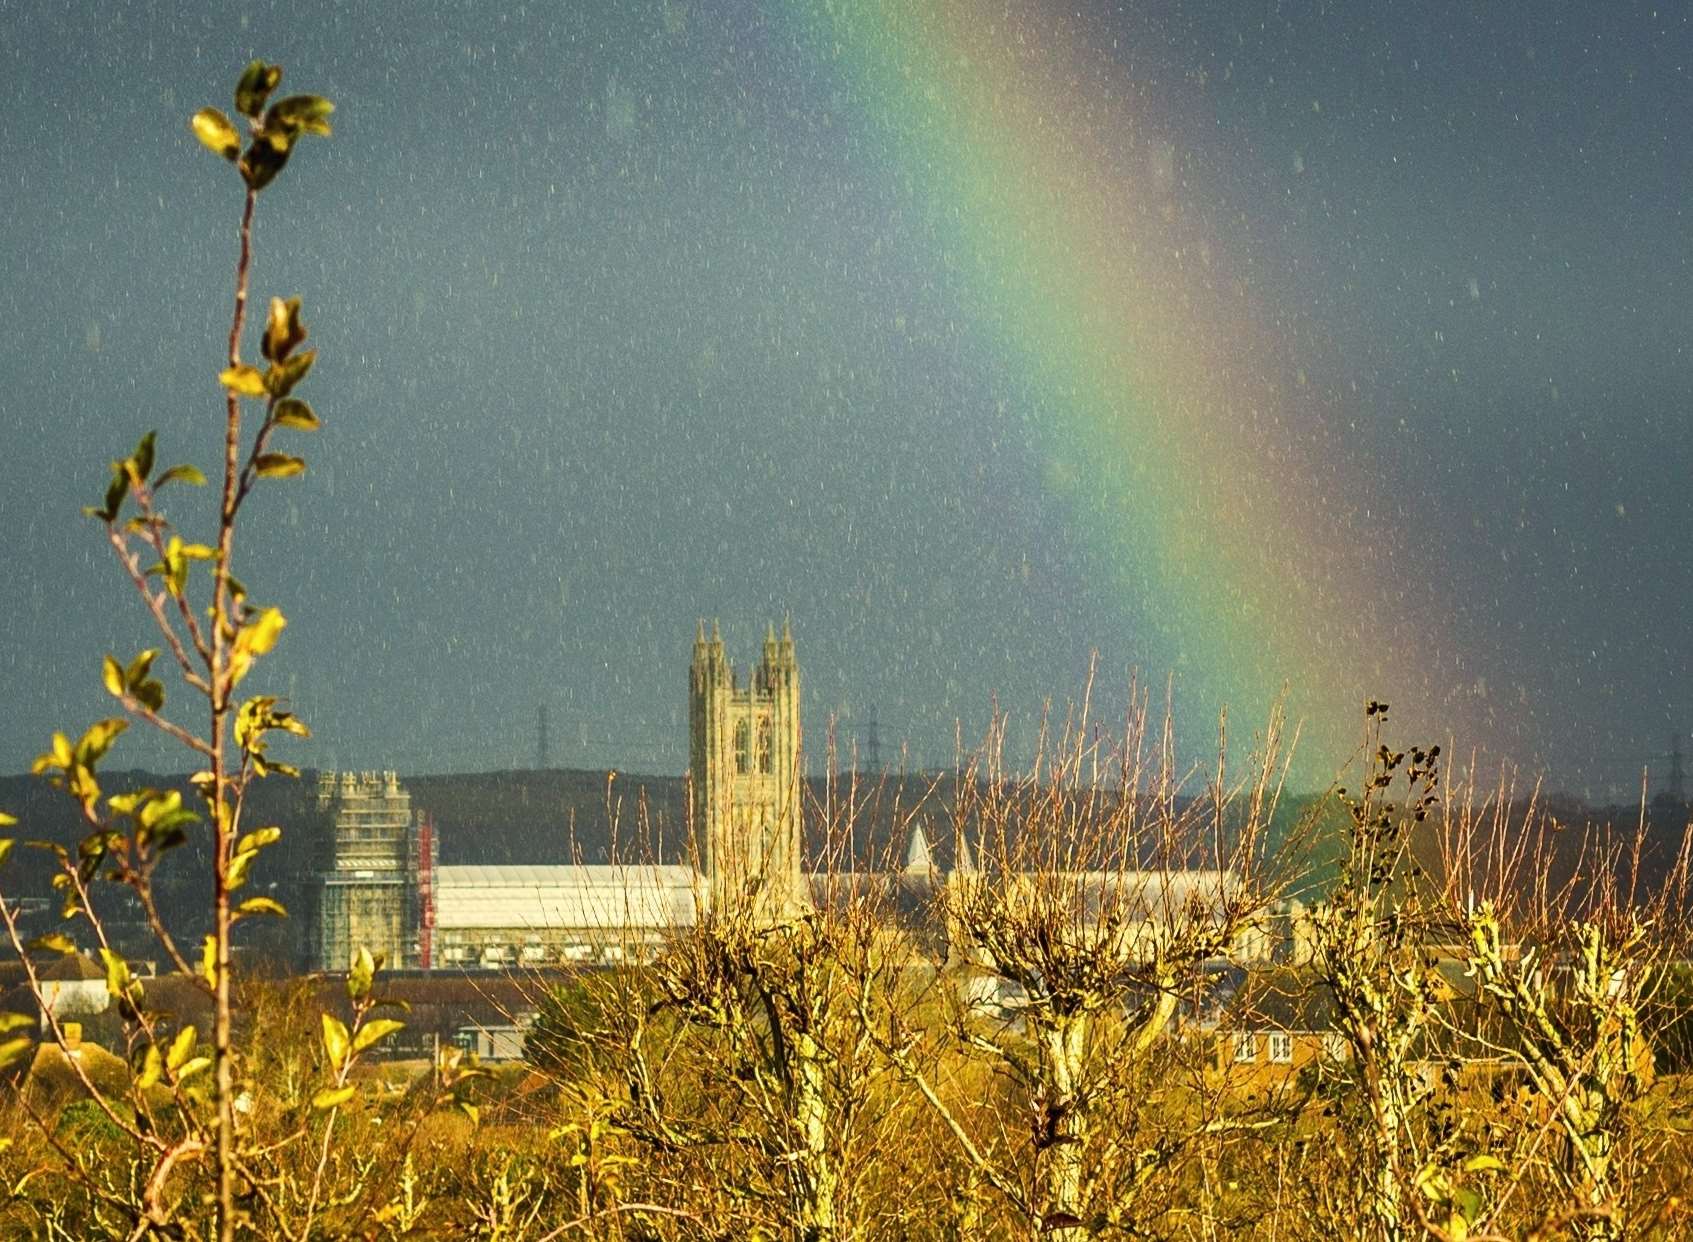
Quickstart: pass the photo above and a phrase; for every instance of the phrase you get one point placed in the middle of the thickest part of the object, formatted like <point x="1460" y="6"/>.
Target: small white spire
<point x="965" y="862"/>
<point x="917" y="856"/>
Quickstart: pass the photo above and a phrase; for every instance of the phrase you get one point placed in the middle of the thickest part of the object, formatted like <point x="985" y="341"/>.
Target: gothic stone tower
<point x="744" y="768"/>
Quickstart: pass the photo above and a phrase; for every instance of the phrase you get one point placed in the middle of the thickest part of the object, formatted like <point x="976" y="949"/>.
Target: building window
<point x="1245" y="1046"/>
<point x="1281" y="1047"/>
<point x="764" y="756"/>
<point x="741" y="741"/>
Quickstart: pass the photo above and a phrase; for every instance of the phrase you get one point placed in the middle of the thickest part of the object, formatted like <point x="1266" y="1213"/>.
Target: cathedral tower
<point x="744" y="770"/>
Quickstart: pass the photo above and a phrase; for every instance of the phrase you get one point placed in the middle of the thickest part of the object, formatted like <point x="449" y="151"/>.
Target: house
<point x="1279" y="1024"/>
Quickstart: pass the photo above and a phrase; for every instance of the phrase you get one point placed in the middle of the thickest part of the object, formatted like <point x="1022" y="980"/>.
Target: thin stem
<point x="223" y="812"/>
<point x="155" y="605"/>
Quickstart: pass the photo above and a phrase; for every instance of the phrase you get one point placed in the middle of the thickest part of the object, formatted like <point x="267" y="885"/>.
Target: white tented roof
<point x="610" y="897"/>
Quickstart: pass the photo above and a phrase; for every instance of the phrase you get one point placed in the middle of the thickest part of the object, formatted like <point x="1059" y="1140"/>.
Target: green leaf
<point x="243" y="380"/>
<point x="284" y="375"/>
<point x="1467" y="1203"/>
<point x="374" y="1030"/>
<point x="53" y="942"/>
<point x="7" y="820"/>
<point x="261" y="905"/>
<point x="255" y="86"/>
<point x="278" y="465"/>
<point x="266" y="157"/>
<point x="283" y="329"/>
<point x="140" y="666"/>
<point x="361" y="975"/>
<point x="191" y="1068"/>
<point x="11" y="1021"/>
<point x="180" y="1047"/>
<point x="184" y="473"/>
<point x="296" y="414"/>
<point x="336" y="1043"/>
<point x="1484" y="1163"/>
<point x="332" y="1097"/>
<point x="116" y="490"/>
<point x="305" y="114"/>
<point x="6" y="844"/>
<point x="142" y="459"/>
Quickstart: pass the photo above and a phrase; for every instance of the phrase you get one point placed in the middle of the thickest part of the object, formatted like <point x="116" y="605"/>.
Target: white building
<point x="522" y="915"/>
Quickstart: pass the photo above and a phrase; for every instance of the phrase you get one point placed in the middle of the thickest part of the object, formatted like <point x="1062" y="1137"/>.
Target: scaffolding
<point x="370" y="895"/>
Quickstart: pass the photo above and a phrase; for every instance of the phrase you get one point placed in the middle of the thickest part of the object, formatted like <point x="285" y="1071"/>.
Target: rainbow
<point x="1202" y="471"/>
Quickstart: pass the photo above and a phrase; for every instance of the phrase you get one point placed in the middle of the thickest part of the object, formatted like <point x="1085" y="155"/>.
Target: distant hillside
<point x="558" y="816"/>
<point x="552" y="816"/>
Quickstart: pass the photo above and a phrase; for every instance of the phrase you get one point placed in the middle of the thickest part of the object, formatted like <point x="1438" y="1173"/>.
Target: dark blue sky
<point x="625" y="321"/>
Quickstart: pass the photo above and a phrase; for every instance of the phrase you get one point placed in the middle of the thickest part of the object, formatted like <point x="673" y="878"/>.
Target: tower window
<point x="764" y="756"/>
<point x="741" y="741"/>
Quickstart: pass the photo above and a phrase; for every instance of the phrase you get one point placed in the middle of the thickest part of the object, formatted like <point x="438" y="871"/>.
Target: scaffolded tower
<point x="371" y="896"/>
<point x="744" y="768"/>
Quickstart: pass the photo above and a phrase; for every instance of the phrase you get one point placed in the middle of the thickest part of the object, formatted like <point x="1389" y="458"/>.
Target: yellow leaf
<point x="278" y="465"/>
<point x="257" y="839"/>
<point x="296" y="414"/>
<point x="152" y="1065"/>
<point x="332" y="1097"/>
<point x="1484" y="1164"/>
<point x="186" y="474"/>
<point x="12" y="1049"/>
<point x="209" y="960"/>
<point x="180" y="1047"/>
<point x="217" y="131"/>
<point x="335" y="1040"/>
<point x="259" y="636"/>
<point x="262" y="905"/>
<point x="374" y="1030"/>
<point x="283" y="329"/>
<point x="244" y="380"/>
<point x="111" y="672"/>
